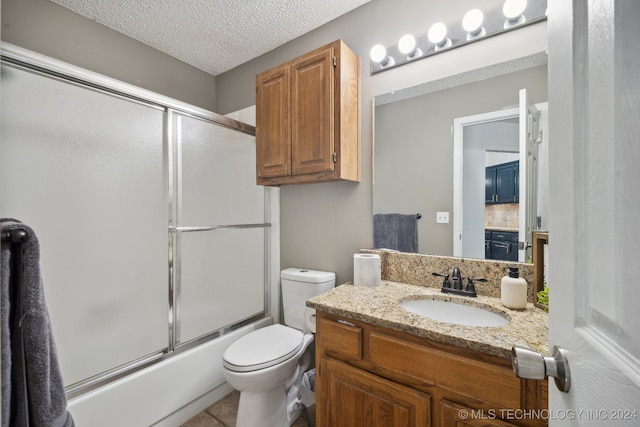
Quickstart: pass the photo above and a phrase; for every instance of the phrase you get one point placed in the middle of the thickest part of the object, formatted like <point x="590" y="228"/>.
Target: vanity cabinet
<point x="502" y="183"/>
<point x="373" y="376"/>
<point x="308" y="118"/>
<point x="363" y="399"/>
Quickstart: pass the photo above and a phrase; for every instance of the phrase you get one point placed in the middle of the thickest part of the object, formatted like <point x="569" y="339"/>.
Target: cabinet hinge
<point x="335" y="157"/>
<point x="335" y="61"/>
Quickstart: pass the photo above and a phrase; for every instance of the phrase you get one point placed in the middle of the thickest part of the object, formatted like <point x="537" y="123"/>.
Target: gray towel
<point x="395" y="231"/>
<point x="47" y="398"/>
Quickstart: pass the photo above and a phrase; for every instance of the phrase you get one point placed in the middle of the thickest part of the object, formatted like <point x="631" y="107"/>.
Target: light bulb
<point x="378" y="53"/>
<point x="512" y="9"/>
<point x="472" y="20"/>
<point x="472" y="23"/>
<point x="437" y="33"/>
<point x="407" y="44"/>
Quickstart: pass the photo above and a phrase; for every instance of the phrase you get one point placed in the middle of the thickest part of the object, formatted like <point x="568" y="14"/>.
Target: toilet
<point x="267" y="365"/>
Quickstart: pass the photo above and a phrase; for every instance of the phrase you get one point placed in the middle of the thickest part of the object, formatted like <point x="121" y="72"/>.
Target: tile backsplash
<point x="501" y="216"/>
<point x="417" y="269"/>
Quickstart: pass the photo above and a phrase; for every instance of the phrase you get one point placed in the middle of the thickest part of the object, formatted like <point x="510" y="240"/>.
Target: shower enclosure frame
<point x="20" y="58"/>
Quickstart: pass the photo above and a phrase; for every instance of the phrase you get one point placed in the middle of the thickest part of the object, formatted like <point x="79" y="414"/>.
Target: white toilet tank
<point x="298" y="285"/>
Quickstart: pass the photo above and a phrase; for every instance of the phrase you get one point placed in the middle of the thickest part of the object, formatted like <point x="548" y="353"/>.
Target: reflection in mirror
<point x="490" y="152"/>
<point x="413" y="150"/>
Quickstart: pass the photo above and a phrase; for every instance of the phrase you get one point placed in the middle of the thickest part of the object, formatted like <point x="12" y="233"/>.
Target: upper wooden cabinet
<point x="308" y="118"/>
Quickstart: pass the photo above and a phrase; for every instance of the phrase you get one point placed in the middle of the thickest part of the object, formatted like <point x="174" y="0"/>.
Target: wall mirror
<point x="421" y="167"/>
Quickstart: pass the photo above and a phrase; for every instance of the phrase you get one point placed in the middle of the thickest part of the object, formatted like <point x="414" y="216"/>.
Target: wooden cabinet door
<point x="312" y="104"/>
<point x="273" y="123"/>
<point x="356" y="398"/>
<point x="454" y="415"/>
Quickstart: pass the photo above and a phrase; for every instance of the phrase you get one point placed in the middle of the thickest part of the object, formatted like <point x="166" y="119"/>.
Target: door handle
<point x="532" y="365"/>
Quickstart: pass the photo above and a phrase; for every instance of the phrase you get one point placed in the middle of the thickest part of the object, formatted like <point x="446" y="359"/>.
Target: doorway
<point x="475" y="139"/>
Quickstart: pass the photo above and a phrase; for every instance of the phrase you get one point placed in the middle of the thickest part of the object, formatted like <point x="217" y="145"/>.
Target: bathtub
<point x="165" y="394"/>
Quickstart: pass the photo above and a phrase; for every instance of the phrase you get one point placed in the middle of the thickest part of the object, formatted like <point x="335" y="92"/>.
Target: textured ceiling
<point x="212" y="35"/>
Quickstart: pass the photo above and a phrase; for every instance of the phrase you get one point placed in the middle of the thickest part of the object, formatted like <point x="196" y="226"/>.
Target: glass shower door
<point x="220" y="243"/>
<point x="86" y="171"/>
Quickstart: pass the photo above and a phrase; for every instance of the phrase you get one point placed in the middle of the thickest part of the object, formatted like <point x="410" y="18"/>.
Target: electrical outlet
<point x="442" y="217"/>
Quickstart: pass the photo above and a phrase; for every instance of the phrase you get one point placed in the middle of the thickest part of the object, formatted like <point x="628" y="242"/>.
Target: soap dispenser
<point x="513" y="290"/>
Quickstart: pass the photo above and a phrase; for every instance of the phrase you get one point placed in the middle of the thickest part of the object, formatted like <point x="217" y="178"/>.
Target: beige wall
<point x="49" y="29"/>
<point x="322" y="225"/>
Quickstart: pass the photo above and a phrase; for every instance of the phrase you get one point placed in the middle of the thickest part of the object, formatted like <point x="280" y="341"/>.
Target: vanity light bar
<point x="475" y="25"/>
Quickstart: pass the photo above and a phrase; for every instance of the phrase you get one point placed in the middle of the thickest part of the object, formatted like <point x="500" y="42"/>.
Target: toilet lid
<point x="262" y="348"/>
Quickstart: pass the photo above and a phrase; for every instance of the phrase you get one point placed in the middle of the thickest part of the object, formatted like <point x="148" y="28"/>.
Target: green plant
<point x="543" y="298"/>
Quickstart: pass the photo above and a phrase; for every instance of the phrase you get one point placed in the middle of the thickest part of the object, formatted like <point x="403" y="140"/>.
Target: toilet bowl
<point x="267" y="365"/>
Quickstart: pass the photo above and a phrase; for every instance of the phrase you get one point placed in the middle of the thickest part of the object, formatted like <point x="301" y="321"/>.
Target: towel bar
<point x="15" y="236"/>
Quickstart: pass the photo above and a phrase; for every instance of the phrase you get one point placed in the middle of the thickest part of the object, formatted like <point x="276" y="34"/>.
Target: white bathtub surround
<point x="165" y="394"/>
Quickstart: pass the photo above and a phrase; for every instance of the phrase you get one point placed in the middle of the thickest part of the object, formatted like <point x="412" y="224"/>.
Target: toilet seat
<point x="262" y="348"/>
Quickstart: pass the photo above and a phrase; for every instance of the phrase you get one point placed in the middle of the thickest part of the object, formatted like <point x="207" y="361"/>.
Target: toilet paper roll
<point x="366" y="269"/>
<point x="310" y="319"/>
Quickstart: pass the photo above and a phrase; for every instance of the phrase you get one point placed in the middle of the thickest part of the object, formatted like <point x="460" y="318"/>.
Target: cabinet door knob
<point x="530" y="364"/>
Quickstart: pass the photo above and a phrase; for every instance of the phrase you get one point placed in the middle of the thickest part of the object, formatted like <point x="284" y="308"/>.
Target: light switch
<point x="442" y="217"/>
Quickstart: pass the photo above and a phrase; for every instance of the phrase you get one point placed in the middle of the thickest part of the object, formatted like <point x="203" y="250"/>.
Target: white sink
<point x="451" y="312"/>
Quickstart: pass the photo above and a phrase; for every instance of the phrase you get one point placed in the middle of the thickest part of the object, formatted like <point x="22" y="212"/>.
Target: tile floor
<point x="223" y="414"/>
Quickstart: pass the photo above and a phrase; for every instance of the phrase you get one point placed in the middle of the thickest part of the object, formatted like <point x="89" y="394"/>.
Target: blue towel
<point x="46" y="402"/>
<point x="395" y="231"/>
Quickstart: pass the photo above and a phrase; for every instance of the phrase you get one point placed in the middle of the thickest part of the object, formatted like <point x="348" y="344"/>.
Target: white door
<point x="594" y="160"/>
<point x="529" y="118"/>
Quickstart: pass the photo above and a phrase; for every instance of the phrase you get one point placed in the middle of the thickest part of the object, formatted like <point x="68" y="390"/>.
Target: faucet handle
<point x="470" y="286"/>
<point x="445" y="283"/>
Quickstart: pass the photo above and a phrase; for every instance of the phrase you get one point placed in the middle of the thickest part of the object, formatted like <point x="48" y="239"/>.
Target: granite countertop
<point x="379" y="305"/>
